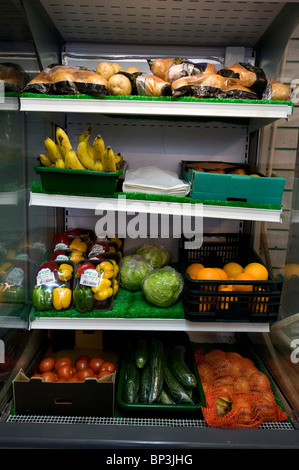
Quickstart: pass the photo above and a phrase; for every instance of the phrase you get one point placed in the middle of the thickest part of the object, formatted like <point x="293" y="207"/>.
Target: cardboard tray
<point x="68" y="181"/>
<point x="89" y="398"/>
<point x="231" y="187"/>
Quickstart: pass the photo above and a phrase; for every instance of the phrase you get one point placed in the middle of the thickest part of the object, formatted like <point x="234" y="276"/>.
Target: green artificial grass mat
<point x="154" y="98"/>
<point x="37" y="188"/>
<point x="127" y="304"/>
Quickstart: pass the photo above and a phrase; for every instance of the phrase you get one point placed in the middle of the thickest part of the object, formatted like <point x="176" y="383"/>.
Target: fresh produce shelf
<point x="151" y="204"/>
<point x="132" y="312"/>
<point x="163" y="106"/>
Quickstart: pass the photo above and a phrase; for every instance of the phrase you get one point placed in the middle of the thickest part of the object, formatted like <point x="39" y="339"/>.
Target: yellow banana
<point x="118" y="161"/>
<point x="52" y="149"/>
<point x="109" y="160"/>
<point x="83" y="154"/>
<point x="44" y="160"/>
<point x="98" y="148"/>
<point x="72" y="161"/>
<point x="84" y="135"/>
<point x="63" y="141"/>
<point x="98" y="166"/>
<point x="60" y="163"/>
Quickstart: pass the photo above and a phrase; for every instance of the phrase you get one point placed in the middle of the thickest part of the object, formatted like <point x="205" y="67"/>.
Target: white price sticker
<point x="45" y="277"/>
<point x="15" y="277"/>
<point x="61" y="246"/>
<point x="90" y="278"/>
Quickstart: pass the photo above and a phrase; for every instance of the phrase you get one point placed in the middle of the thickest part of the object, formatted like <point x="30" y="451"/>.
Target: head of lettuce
<point x="156" y="255"/>
<point x="162" y="287"/>
<point x="132" y="271"/>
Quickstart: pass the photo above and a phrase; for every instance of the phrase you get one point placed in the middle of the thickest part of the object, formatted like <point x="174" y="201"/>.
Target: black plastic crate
<point x="204" y="301"/>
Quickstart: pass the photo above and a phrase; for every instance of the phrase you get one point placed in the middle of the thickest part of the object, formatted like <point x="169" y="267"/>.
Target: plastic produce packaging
<point x="162" y="287"/>
<point x="153" y="180"/>
<point x="133" y="269"/>
<point x="13" y="76"/>
<point x="156" y="255"/>
<point x="250" y="76"/>
<point x="171" y="69"/>
<point x="67" y="80"/>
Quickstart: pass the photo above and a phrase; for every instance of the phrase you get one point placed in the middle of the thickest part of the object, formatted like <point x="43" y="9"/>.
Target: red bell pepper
<point x="52" y="266"/>
<point x="58" y="253"/>
<point x="61" y="239"/>
<point x="82" y="268"/>
<point x="100" y="247"/>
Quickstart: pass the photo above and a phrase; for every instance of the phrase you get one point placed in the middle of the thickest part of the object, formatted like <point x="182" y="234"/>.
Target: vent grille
<point x="194" y="423"/>
<point x="163" y="22"/>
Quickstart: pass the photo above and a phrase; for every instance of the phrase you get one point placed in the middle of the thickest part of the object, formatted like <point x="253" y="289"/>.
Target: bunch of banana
<point x="93" y="157"/>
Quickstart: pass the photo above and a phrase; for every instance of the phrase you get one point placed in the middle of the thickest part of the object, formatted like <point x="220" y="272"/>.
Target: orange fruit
<point x="257" y="270"/>
<point x="222" y="273"/>
<point x="232" y="269"/>
<point x="208" y="274"/>
<point x="244" y="287"/>
<point x="193" y="269"/>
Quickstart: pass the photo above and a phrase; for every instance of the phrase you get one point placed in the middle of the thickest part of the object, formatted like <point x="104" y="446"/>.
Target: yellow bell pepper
<point x="115" y="286"/>
<point x="65" y="272"/>
<point x="104" y="294"/>
<point x="116" y="240"/>
<point x="76" y="256"/>
<point x="105" y="269"/>
<point x="62" y="297"/>
<point x="116" y="267"/>
<point x="103" y="284"/>
<point x="79" y="245"/>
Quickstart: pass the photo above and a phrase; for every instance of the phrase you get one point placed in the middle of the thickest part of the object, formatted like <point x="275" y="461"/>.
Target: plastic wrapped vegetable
<point x="132" y="271"/>
<point x="156" y="255"/>
<point x="163" y="286"/>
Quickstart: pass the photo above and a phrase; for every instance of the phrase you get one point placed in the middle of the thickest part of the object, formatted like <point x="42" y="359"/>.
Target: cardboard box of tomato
<point x="52" y="390"/>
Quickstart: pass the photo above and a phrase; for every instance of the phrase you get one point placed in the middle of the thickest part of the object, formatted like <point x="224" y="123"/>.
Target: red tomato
<point x="36" y="375"/>
<point x="47" y="364"/>
<point x="96" y="363"/>
<point x="83" y="374"/>
<point x="81" y="364"/>
<point x="104" y="373"/>
<point x="63" y="361"/>
<point x="73" y="379"/>
<point x="48" y="377"/>
<point x="61" y="379"/>
<point x="65" y="372"/>
<point x="83" y="356"/>
<point x="108" y="366"/>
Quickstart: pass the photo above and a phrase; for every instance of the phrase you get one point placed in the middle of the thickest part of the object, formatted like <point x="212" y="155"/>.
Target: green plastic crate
<point x="68" y="181"/>
<point x="232" y="187"/>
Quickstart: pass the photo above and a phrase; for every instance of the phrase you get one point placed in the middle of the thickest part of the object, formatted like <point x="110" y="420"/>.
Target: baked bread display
<point x="250" y="76"/>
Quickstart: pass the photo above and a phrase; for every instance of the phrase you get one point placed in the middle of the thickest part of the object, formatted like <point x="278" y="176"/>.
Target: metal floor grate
<point x="195" y="423"/>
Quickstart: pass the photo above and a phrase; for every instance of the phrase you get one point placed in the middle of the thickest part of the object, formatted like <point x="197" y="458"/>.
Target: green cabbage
<point x="156" y="255"/>
<point x="132" y="271"/>
<point x="162" y="287"/>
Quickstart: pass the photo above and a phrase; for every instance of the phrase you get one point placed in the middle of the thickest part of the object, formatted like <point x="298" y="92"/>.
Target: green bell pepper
<point x="42" y="297"/>
<point x="83" y="298"/>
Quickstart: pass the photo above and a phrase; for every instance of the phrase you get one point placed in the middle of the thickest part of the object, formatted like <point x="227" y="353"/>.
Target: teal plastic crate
<point x="232" y="187"/>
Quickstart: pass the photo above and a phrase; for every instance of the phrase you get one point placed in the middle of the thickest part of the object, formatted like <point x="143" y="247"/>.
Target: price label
<point x="90" y="278"/>
<point x="15" y="276"/>
<point x="61" y="246"/>
<point x="45" y="277"/>
<point x="61" y="257"/>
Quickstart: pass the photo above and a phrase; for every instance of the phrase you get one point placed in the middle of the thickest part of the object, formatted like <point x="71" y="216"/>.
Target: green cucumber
<point x="145" y="383"/>
<point x="141" y="353"/>
<point x="165" y="398"/>
<point x="156" y="360"/>
<point x="131" y="381"/>
<point x="173" y="386"/>
<point x="180" y="369"/>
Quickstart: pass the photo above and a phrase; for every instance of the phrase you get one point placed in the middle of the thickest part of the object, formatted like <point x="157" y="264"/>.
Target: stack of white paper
<point x="154" y="180"/>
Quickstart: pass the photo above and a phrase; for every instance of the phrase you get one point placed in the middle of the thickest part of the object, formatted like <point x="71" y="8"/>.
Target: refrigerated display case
<point x="147" y="131"/>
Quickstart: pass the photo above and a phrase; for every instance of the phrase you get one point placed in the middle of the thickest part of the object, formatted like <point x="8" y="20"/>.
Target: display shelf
<point x="143" y="324"/>
<point x="259" y="114"/>
<point x="156" y="207"/>
<point x="9" y="103"/>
